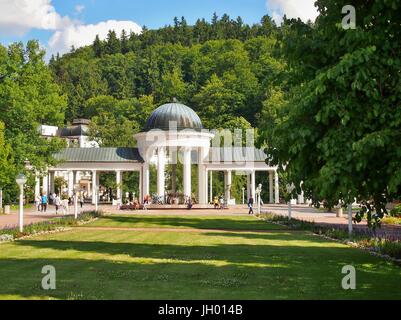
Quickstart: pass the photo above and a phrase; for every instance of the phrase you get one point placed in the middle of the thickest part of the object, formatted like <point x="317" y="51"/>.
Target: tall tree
<point x="112" y="43"/>
<point x="124" y="42"/>
<point x="29" y="97"/>
<point x="7" y="168"/>
<point x="98" y="48"/>
<point x="340" y="132"/>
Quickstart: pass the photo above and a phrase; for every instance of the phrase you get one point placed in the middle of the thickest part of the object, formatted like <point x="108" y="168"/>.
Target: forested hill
<point x="223" y="69"/>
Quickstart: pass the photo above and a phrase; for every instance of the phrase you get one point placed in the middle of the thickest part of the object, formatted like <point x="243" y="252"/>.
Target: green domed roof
<point x="185" y="117"/>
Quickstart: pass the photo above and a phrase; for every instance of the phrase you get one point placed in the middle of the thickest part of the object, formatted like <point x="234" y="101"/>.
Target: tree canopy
<point x="335" y="123"/>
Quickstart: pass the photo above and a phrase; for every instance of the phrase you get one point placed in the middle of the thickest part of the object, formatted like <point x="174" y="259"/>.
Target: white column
<point x="211" y="187"/>
<point x="227" y="184"/>
<point x="46" y="184"/>
<point x="206" y="186"/>
<point x="70" y="183"/>
<point x="145" y="180"/>
<point x="37" y="186"/>
<point x="94" y="187"/>
<point x="253" y="184"/>
<point x="140" y="195"/>
<point x="51" y="181"/>
<point x="271" y="193"/>
<point x="161" y="159"/>
<point x="276" y="188"/>
<point x="119" y="185"/>
<point x="202" y="177"/>
<point x="187" y="172"/>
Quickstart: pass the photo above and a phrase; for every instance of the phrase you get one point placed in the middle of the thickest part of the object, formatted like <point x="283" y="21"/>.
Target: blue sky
<point x="157" y="13"/>
<point x="59" y="24"/>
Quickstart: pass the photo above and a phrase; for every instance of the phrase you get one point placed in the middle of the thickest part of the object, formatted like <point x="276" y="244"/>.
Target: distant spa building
<point x="173" y="134"/>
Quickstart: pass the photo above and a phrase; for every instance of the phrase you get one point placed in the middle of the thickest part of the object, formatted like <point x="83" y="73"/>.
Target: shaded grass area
<point x="181" y="221"/>
<point x="96" y="264"/>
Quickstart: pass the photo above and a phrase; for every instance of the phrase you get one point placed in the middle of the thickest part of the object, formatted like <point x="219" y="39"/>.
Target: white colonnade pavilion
<point x="173" y="135"/>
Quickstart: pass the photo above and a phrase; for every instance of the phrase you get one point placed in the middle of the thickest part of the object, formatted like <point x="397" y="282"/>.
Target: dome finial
<point x="175" y="100"/>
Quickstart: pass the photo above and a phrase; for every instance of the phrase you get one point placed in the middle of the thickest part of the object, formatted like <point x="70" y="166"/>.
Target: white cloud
<point x="79" y="35"/>
<point x="19" y="16"/>
<point x="303" y="9"/>
<point x="79" y="8"/>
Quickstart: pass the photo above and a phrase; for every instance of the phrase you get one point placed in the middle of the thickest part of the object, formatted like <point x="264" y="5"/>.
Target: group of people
<point x="133" y="203"/>
<point x="218" y="202"/>
<point x="42" y="201"/>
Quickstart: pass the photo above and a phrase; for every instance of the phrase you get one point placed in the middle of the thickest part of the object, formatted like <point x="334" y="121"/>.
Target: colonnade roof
<point x="132" y="155"/>
<point x="99" y="155"/>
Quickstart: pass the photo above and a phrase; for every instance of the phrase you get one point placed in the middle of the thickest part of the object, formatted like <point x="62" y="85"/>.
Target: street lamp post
<point x="1" y="198"/>
<point x="350" y="220"/>
<point x="243" y="195"/>
<point x="290" y="189"/>
<point x="21" y="180"/>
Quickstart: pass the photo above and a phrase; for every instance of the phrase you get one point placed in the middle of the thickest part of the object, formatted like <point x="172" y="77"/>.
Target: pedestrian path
<point x="306" y="213"/>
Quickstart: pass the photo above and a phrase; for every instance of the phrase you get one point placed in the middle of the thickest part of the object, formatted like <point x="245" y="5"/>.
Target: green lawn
<point x="238" y="222"/>
<point x="154" y="264"/>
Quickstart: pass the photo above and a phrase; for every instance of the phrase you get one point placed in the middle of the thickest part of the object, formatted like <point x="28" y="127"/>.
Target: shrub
<point x="391" y="220"/>
<point x="396" y="211"/>
<point x="390" y="248"/>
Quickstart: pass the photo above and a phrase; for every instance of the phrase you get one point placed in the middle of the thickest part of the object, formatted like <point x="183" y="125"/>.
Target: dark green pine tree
<point x="113" y="45"/>
<point x="215" y="24"/>
<point x="124" y="42"/>
<point x="98" y="48"/>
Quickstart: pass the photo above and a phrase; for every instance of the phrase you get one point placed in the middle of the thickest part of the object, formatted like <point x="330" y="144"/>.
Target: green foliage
<point x="337" y="125"/>
<point x="7" y="169"/>
<point x="223" y="66"/>
<point x="28" y="97"/>
<point x="396" y="211"/>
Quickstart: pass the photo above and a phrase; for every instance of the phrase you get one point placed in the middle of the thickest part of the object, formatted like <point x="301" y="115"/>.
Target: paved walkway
<point x="32" y="215"/>
<point x="306" y="213"/>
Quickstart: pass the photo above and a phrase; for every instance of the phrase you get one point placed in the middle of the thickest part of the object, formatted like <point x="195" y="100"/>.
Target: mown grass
<point x="181" y="221"/>
<point x="115" y="264"/>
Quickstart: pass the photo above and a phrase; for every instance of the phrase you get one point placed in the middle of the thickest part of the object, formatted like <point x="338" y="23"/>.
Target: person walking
<point x="57" y="203"/>
<point x="250" y="205"/>
<point x="44" y="203"/>
<point x="81" y="199"/>
<point x="221" y="202"/>
<point x="38" y="202"/>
